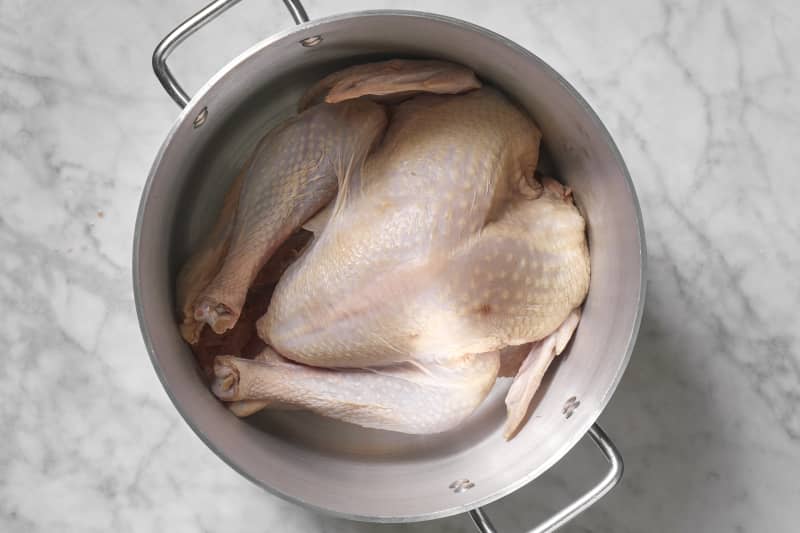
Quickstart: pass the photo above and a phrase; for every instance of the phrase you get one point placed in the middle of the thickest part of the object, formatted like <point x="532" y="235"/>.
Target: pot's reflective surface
<point x="344" y="469"/>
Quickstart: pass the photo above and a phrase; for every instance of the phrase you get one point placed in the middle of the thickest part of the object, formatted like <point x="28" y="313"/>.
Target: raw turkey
<point x="439" y="259"/>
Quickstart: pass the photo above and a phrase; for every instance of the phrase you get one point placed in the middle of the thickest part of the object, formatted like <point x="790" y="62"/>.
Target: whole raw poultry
<point x="439" y="260"/>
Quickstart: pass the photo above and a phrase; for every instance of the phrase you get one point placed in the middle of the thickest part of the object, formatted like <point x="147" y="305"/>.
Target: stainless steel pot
<point x="342" y="469"/>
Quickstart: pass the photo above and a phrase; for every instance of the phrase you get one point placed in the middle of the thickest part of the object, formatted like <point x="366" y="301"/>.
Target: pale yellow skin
<point x="440" y="252"/>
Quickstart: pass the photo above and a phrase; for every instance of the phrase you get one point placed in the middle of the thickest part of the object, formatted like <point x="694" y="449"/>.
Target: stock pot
<point x="331" y="466"/>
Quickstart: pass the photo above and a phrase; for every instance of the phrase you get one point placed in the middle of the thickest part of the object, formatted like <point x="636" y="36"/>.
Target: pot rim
<point x="193" y="107"/>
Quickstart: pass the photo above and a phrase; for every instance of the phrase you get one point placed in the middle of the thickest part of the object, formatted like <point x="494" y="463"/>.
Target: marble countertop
<point x="703" y="98"/>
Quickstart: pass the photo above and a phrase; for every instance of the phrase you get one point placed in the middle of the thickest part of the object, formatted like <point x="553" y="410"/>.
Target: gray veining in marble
<point x="703" y="98"/>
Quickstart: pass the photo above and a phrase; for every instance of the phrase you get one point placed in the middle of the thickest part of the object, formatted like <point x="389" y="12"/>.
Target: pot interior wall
<point x="341" y="468"/>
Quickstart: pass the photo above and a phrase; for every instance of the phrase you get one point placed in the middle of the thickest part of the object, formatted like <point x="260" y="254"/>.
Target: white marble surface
<point x="703" y="98"/>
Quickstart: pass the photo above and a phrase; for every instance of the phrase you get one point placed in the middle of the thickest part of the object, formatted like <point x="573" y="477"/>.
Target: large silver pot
<point x="339" y="468"/>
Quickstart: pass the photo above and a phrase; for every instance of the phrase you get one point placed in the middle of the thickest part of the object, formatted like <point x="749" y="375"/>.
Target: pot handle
<point x="191" y="25"/>
<point x="612" y="477"/>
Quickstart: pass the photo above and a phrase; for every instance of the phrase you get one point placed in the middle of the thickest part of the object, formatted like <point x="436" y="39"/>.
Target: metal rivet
<point x="461" y="485"/>
<point x="201" y="117"/>
<point x="308" y="42"/>
<point x="571" y="404"/>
